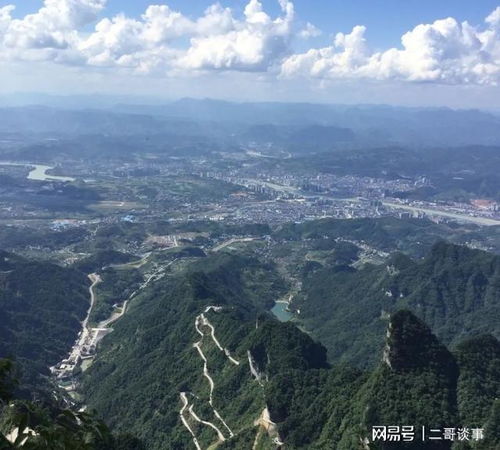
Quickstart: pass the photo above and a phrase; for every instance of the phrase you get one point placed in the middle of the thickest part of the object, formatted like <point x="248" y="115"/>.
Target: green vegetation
<point x="102" y="259"/>
<point x="454" y="289"/>
<point x="410" y="378"/>
<point x="479" y="360"/>
<point x="149" y="358"/>
<point x="414" y="383"/>
<point x="115" y="288"/>
<point x="19" y="238"/>
<point x="46" y="426"/>
<point x="42" y="306"/>
<point x="411" y="236"/>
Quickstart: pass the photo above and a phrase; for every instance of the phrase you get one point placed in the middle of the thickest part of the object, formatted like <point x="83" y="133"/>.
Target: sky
<point x="416" y="53"/>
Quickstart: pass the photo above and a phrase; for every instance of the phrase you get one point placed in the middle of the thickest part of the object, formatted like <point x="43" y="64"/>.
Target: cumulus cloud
<point x="166" y="41"/>
<point x="141" y="44"/>
<point x="54" y="26"/>
<point x="445" y="51"/>
<point x="251" y="44"/>
<point x="217" y="39"/>
<point x="154" y="41"/>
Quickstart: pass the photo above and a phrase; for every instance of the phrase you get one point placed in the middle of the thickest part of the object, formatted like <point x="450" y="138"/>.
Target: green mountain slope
<point x="41" y="307"/>
<point x="454" y="289"/>
<point x="46" y="426"/>
<point x="148" y="367"/>
<point x="198" y="361"/>
<point x="417" y="383"/>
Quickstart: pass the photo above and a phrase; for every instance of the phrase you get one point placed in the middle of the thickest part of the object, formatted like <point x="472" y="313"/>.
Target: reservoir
<point x="280" y="312"/>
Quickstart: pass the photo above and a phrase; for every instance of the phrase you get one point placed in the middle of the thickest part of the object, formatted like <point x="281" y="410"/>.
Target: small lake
<point x="280" y="312"/>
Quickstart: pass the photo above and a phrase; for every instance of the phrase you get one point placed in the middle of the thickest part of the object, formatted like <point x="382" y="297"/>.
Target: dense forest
<point x="411" y="341"/>
<point x="46" y="426"/>
<point x="149" y="360"/>
<point x="42" y="305"/>
<point x="454" y="289"/>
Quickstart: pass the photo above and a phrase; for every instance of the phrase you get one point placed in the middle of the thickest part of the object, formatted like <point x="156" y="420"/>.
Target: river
<point x="38" y="172"/>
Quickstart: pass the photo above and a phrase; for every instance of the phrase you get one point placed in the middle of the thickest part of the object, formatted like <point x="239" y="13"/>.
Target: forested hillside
<point x="410" y="236"/>
<point x="149" y="360"/>
<point x="46" y="426"/>
<point x="41" y="306"/>
<point x="416" y="383"/>
<point x="198" y="359"/>
<point x="454" y="289"/>
<point x="151" y="379"/>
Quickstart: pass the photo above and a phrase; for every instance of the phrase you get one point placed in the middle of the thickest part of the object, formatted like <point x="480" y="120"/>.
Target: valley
<point x="249" y="225"/>
<point x="214" y="292"/>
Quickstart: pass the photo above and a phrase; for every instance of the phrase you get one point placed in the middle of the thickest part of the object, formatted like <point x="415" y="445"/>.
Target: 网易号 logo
<point x="410" y="433"/>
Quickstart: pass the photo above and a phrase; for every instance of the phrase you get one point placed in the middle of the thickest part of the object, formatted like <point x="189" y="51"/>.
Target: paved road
<point x="185" y="404"/>
<point x="200" y="323"/>
<point x="96" y="279"/>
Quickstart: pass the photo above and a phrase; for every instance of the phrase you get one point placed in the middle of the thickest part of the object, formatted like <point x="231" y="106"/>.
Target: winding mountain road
<point x="185" y="404"/>
<point x="201" y="323"/>
<point x="204" y="422"/>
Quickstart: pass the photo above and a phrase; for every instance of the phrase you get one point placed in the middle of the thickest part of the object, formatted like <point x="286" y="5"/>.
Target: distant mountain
<point x="51" y="120"/>
<point x="48" y="120"/>
<point x="319" y="137"/>
<point x="362" y="125"/>
<point x="373" y="124"/>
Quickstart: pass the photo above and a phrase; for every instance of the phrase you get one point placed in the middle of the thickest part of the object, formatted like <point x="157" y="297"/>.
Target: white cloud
<point x="216" y="19"/>
<point x="54" y="26"/>
<point x="255" y="43"/>
<point x="5" y="17"/>
<point x="309" y="31"/>
<point x="218" y="40"/>
<point x="140" y="44"/>
<point x="445" y="52"/>
<point x="167" y="42"/>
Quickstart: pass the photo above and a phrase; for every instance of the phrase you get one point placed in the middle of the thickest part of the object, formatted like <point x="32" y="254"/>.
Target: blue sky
<point x="386" y="20"/>
<point x="275" y="51"/>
